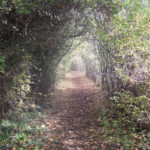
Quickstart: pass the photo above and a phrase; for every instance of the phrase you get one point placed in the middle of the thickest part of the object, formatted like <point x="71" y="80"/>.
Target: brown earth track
<point x="74" y="124"/>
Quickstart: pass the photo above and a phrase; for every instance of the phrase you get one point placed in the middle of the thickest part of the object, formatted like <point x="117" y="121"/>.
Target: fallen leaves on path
<point x="74" y="124"/>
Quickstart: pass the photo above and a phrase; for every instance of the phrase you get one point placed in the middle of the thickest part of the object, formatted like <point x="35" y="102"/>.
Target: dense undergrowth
<point x="119" y="135"/>
<point x="26" y="128"/>
<point x="126" y="122"/>
<point x="23" y="130"/>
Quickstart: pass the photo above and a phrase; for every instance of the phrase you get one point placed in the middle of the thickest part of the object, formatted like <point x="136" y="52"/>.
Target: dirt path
<point x="74" y="124"/>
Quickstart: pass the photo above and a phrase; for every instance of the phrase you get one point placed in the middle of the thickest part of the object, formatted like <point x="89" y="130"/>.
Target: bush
<point x="130" y="110"/>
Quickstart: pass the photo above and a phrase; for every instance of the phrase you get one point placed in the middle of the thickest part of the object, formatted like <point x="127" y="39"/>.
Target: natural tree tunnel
<point x="99" y="47"/>
<point x="82" y="57"/>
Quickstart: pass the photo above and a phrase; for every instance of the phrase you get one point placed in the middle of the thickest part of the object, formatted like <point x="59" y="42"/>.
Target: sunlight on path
<point x="74" y="124"/>
<point x="76" y="80"/>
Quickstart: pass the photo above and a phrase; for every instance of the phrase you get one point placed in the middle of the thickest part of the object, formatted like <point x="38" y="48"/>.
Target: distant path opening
<point x="76" y="80"/>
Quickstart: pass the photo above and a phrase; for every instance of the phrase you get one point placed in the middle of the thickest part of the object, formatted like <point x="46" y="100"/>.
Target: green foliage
<point x="121" y="138"/>
<point x="20" y="89"/>
<point x="24" y="7"/>
<point x="129" y="109"/>
<point x="20" y="131"/>
<point x="2" y="64"/>
<point x="148" y="135"/>
<point x="129" y="37"/>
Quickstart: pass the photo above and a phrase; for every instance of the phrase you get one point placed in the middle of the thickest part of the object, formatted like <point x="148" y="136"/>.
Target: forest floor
<point x="74" y="117"/>
<point x="74" y="123"/>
